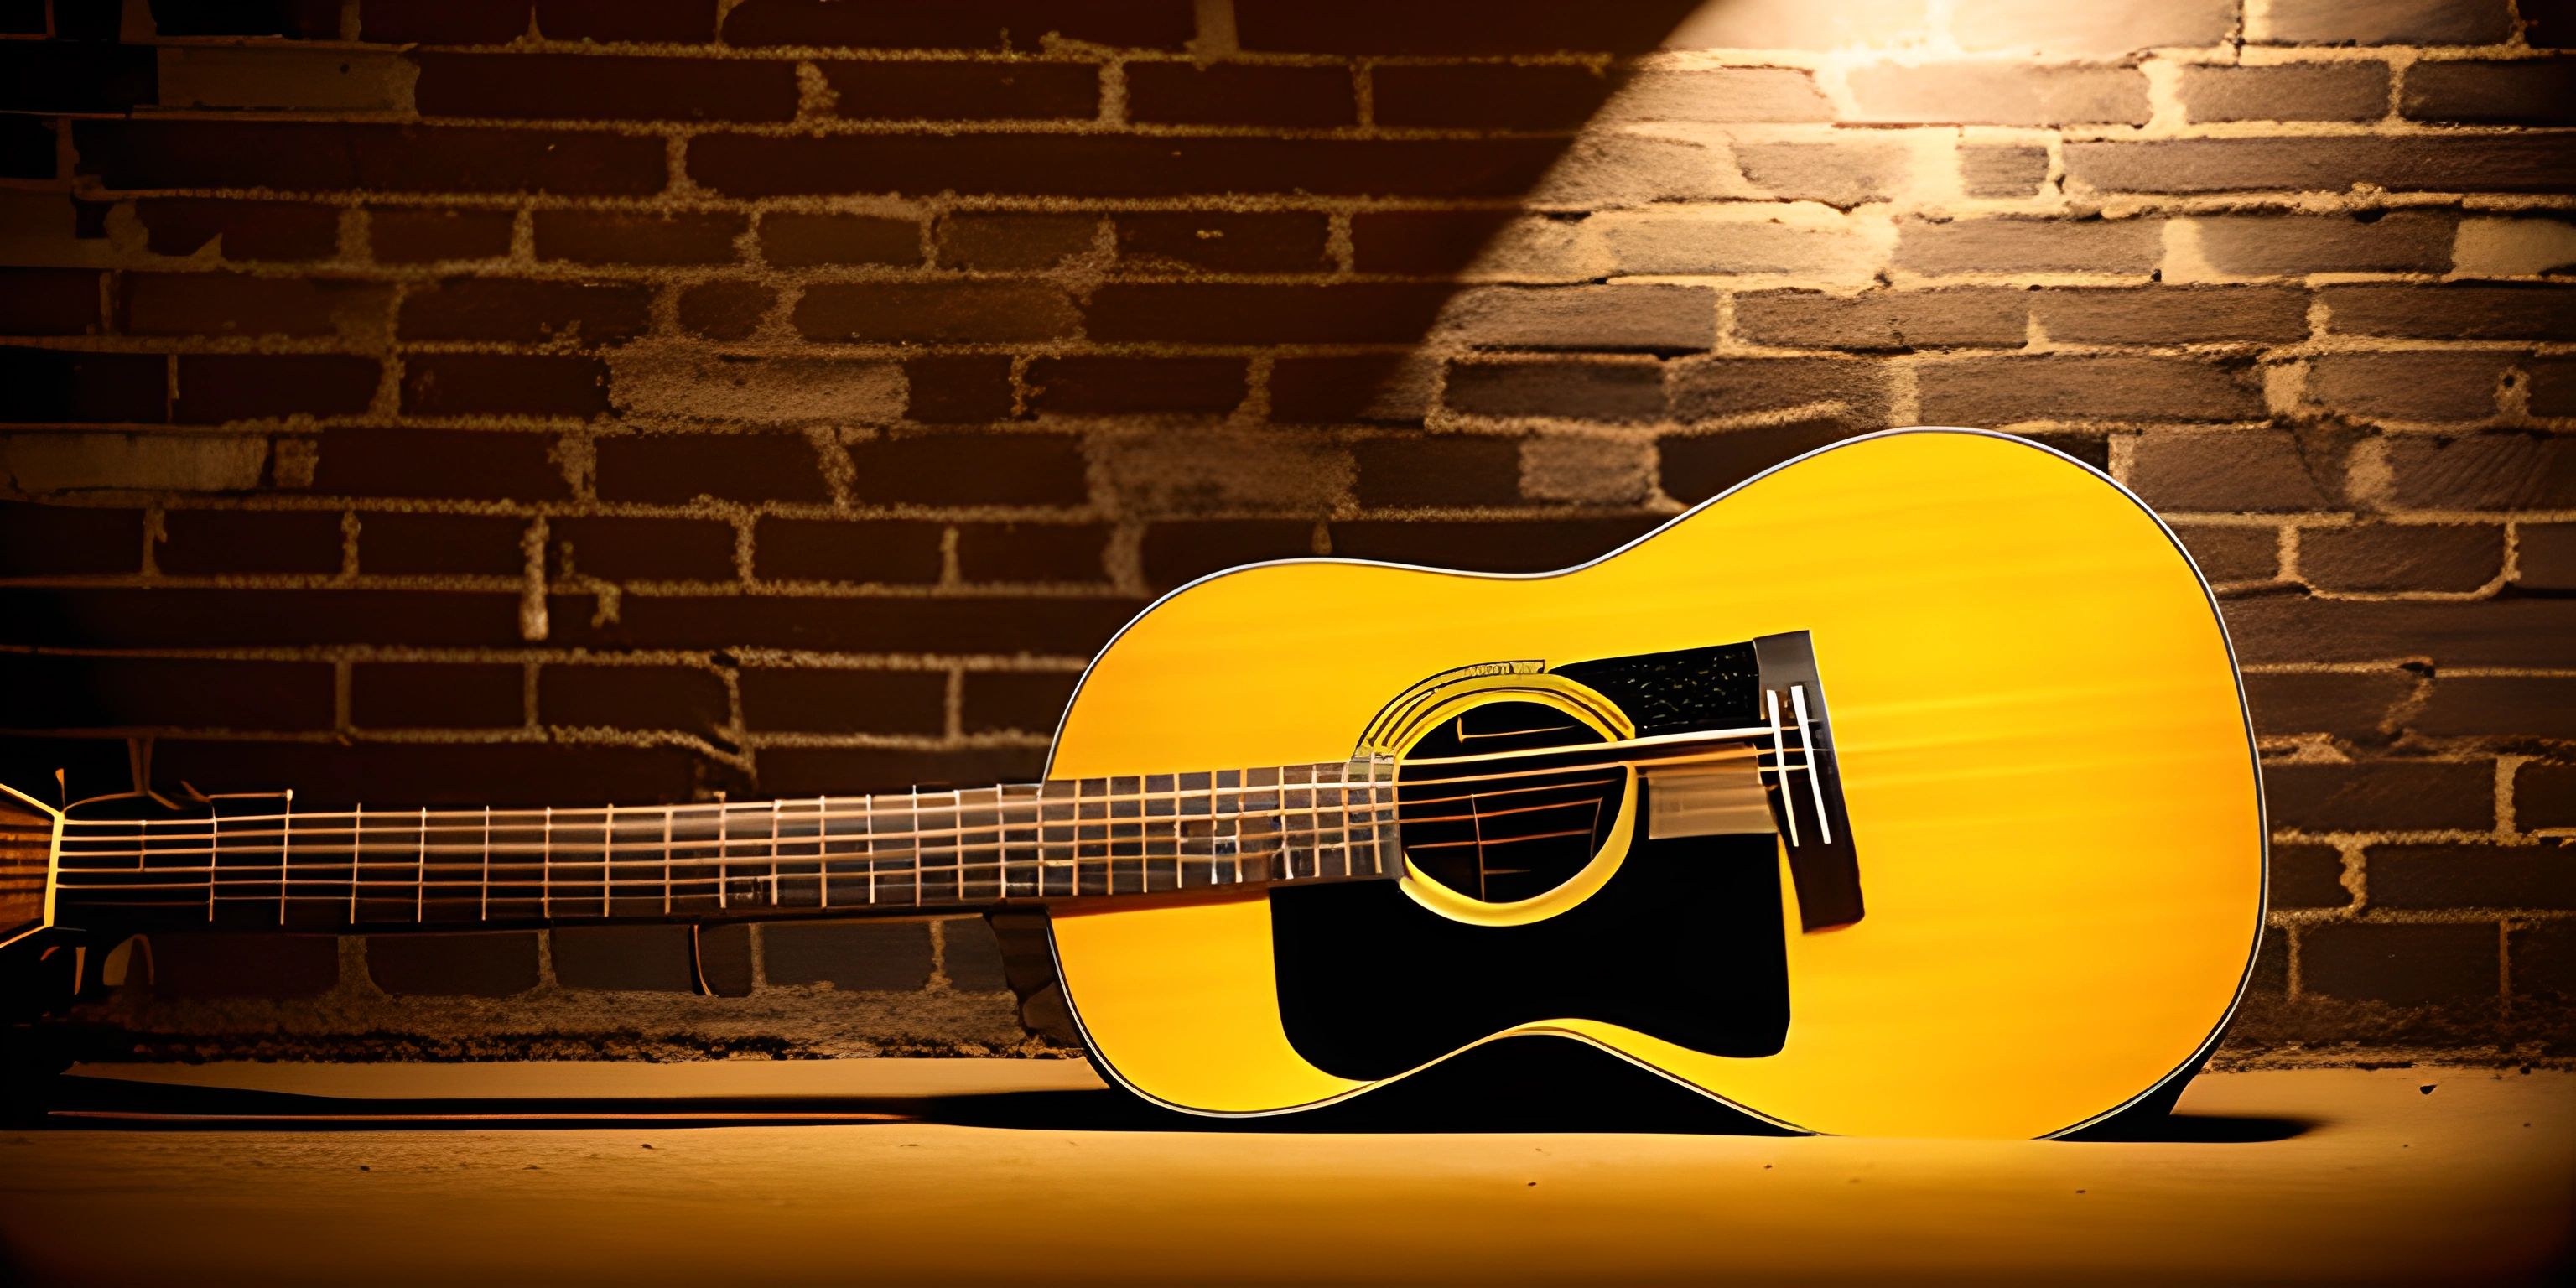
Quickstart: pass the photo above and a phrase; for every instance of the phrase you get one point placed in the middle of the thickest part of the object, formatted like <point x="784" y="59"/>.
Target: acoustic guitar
<point x="1906" y="788"/>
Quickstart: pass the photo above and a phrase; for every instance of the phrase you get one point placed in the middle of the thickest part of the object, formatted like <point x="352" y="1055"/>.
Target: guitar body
<point x="2044" y="755"/>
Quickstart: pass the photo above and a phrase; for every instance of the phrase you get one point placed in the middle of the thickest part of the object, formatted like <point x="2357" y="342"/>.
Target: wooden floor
<point x="1029" y="1176"/>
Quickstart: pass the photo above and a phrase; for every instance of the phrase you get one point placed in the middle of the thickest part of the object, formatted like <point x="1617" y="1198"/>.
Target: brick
<point x="2258" y="470"/>
<point x="2380" y="796"/>
<point x="1450" y="470"/>
<point x="631" y="697"/>
<point x="498" y="774"/>
<point x="284" y="231"/>
<point x="26" y="148"/>
<point x="867" y="956"/>
<point x="74" y="461"/>
<point x="1020" y="89"/>
<point x="1017" y="701"/>
<point x="59" y="385"/>
<point x="281" y="79"/>
<point x="66" y="77"/>
<point x="457" y="464"/>
<point x="206" y="966"/>
<point x="492" y="384"/>
<point x="937" y="468"/>
<point x="1884" y="319"/>
<point x="1269" y="242"/>
<point x="402" y="236"/>
<point x="1839" y="174"/>
<point x="1488" y="545"/>
<point x="802" y="241"/>
<point x="958" y="388"/>
<point x="2341" y="91"/>
<point x="2263" y="245"/>
<point x="2485" y="706"/>
<point x="317" y="156"/>
<point x="1381" y="387"/>
<point x="2420" y="385"/>
<point x="724" y="310"/>
<point x="966" y="24"/>
<point x="2398" y="163"/>
<point x="54" y="541"/>
<point x="834" y="700"/>
<point x="1543" y="96"/>
<point x="229" y="304"/>
<point x="1424" y="241"/>
<point x="1719" y="96"/>
<point x="1183" y="550"/>
<point x="1573" y="390"/>
<point x="1010" y="240"/>
<point x="1099" y="386"/>
<point x="2307" y="876"/>
<point x="475" y="964"/>
<point x="933" y="311"/>
<point x="2414" y="556"/>
<point x="627" y="959"/>
<point x="1990" y="170"/>
<point x="1648" y="318"/>
<point x="1116" y="165"/>
<point x="2491" y="632"/>
<point x="1054" y="625"/>
<point x="626" y="549"/>
<point x="2509" y="471"/>
<point x="2107" y="30"/>
<point x="2170" y="314"/>
<point x="2404" y="965"/>
<point x="970" y="956"/>
<point x="2542" y="960"/>
<point x="843" y="550"/>
<point x="2384" y="22"/>
<point x="616" y="237"/>
<point x="744" y="388"/>
<point x="2546" y="24"/>
<point x="249" y="541"/>
<point x="2228" y="554"/>
<point x="1998" y="94"/>
<point x="2544" y="795"/>
<point x="1695" y="467"/>
<point x="1850" y="390"/>
<point x="96" y="691"/>
<point x="2028" y="246"/>
<point x="2552" y="391"/>
<point x="443" y="22"/>
<point x="2515" y="247"/>
<point x="49" y="301"/>
<point x="437" y="695"/>
<point x="1452" y="27"/>
<point x="1032" y="552"/>
<point x="292" y="19"/>
<point x="2504" y="311"/>
<point x="2354" y="705"/>
<point x="2005" y="389"/>
<point x="2454" y="877"/>
<point x="638" y="21"/>
<point x="2546" y="553"/>
<point x="592" y="88"/>
<point x="1228" y="313"/>
<point x="403" y="544"/>
<point x="1241" y="94"/>
<point x="216" y="387"/>
<point x="575" y="313"/>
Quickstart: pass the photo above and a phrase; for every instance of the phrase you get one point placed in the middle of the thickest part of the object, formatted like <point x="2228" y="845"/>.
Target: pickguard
<point x="1684" y="944"/>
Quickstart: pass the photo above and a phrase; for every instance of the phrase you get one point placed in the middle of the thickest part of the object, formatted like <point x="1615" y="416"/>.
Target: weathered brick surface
<point x="564" y="400"/>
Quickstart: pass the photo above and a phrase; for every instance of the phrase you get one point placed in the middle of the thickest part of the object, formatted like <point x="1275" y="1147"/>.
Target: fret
<point x="285" y="855"/>
<point x="484" y="910"/>
<point x="214" y="854"/>
<point x="420" y="875"/>
<point x="357" y="832"/>
<point x="1059" y="851"/>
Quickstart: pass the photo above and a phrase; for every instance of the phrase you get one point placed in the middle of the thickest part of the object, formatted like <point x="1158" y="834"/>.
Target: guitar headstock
<point x="29" y="830"/>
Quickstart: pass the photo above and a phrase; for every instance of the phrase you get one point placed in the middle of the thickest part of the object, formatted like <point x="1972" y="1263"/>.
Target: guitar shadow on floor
<point x="1515" y="1086"/>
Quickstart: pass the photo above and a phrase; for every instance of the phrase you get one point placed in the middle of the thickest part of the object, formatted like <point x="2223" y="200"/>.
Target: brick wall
<point x="503" y="400"/>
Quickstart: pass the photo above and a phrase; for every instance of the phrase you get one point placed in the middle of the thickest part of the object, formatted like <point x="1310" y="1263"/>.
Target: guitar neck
<point x="259" y="863"/>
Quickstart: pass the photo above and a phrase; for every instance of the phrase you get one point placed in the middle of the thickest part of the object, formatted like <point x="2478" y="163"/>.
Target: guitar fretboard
<point x="256" y="861"/>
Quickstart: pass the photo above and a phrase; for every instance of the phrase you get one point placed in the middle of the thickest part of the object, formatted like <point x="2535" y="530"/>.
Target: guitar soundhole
<point x="1514" y="827"/>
